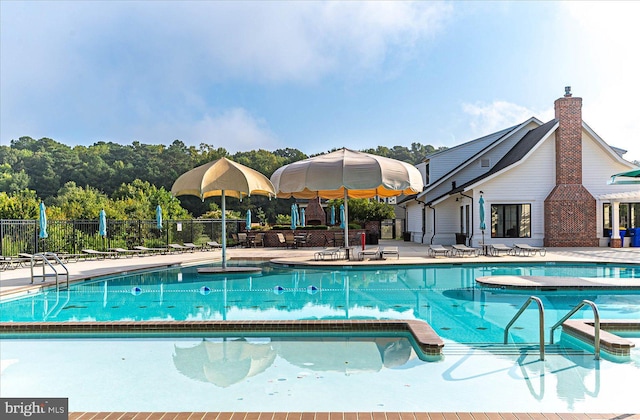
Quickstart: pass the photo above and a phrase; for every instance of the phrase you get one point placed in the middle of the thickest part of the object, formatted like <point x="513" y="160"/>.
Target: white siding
<point x="528" y="183"/>
<point x="414" y="220"/>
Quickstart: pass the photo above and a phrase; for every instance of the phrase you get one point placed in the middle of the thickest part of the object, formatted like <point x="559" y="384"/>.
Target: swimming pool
<point x="446" y="297"/>
<point x="272" y="372"/>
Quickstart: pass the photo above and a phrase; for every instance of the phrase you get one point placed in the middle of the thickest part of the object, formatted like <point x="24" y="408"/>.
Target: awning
<point x="629" y="177"/>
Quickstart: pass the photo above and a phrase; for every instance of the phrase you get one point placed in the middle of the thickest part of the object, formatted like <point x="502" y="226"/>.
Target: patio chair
<point x="338" y="239"/>
<point x="281" y="240"/>
<point x="528" y="250"/>
<point x="257" y="240"/>
<point x="327" y="253"/>
<point x="496" y="249"/>
<point x="11" y="263"/>
<point x="372" y="253"/>
<point x="193" y="247"/>
<point x="438" y="250"/>
<point x="126" y="252"/>
<point x="290" y="240"/>
<point x="389" y="250"/>
<point x="463" y="250"/>
<point x="211" y="245"/>
<point x="242" y="239"/>
<point x="301" y="240"/>
<point x="179" y="248"/>
<point x="151" y="251"/>
<point x="99" y="254"/>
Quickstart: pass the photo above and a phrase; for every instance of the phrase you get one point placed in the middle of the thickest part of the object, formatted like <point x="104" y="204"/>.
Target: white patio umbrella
<point x="347" y="174"/>
<point x="222" y="177"/>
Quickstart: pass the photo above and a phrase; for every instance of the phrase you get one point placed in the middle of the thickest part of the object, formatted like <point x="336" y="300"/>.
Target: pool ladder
<point x="596" y="317"/>
<point x="45" y="258"/>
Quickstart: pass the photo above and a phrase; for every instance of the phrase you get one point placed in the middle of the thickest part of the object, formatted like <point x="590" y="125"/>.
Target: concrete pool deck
<point x="18" y="280"/>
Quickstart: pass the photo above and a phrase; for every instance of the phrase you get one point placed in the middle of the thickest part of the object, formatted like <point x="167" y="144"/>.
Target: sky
<point x="314" y="76"/>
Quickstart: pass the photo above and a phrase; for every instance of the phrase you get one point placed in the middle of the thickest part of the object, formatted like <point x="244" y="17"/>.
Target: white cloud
<point x="487" y="118"/>
<point x="234" y="129"/>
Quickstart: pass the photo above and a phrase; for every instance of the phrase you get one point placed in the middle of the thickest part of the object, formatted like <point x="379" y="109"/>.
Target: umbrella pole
<point x="224" y="233"/>
<point x="346" y="220"/>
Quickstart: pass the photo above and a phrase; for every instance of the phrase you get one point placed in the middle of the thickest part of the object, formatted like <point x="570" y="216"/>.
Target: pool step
<point x="456" y="349"/>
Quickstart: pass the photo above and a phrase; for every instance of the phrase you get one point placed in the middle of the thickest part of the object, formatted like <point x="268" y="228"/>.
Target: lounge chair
<point x="150" y="250"/>
<point x="438" y="250"/>
<point x="528" y="250"/>
<point x="463" y="250"/>
<point x="179" y="248"/>
<point x="99" y="254"/>
<point x="496" y="249"/>
<point x="211" y="245"/>
<point x="11" y="263"/>
<point x="389" y="250"/>
<point x="373" y="253"/>
<point x="126" y="252"/>
<point x="281" y="240"/>
<point x="192" y="246"/>
<point x="328" y="253"/>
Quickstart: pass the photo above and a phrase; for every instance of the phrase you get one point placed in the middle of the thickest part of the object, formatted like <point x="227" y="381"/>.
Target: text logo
<point x="34" y="408"/>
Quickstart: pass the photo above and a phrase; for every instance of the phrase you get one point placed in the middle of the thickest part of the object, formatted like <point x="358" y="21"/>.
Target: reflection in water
<point x="229" y="361"/>
<point x="225" y="362"/>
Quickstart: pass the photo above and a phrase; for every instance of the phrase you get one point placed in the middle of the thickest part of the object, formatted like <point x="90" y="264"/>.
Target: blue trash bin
<point x="635" y="237"/>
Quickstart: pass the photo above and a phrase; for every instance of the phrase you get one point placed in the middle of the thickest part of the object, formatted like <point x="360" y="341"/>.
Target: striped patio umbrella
<point x="347" y="174"/>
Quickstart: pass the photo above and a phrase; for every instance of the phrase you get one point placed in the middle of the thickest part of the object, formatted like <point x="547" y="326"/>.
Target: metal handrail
<point x="44" y="257"/>
<point x="540" y="318"/>
<point x="596" y="319"/>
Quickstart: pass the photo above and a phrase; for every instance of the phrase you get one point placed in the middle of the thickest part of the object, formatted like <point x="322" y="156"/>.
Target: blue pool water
<point x="291" y="373"/>
<point x="447" y="297"/>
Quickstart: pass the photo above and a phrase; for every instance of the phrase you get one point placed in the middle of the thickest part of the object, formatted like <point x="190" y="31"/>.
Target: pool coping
<point x="584" y="330"/>
<point x="549" y="283"/>
<point x="428" y="341"/>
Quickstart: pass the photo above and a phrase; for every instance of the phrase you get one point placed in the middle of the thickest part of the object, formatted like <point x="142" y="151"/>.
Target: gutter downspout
<point x="472" y="218"/>
<point x="424" y="227"/>
<point x="434" y="223"/>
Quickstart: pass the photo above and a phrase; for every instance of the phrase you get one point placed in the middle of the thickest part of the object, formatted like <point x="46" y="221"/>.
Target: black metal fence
<point x="71" y="236"/>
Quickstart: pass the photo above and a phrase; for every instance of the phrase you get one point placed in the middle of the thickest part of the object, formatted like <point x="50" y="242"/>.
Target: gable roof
<point x="472" y="147"/>
<point x="513" y="156"/>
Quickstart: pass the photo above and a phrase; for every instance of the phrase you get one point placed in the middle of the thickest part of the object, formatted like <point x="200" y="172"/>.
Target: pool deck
<point x="19" y="281"/>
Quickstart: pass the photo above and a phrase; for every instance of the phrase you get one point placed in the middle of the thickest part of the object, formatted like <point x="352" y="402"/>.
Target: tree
<point x="11" y="181"/>
<point x="363" y="210"/>
<point x="19" y="205"/>
<point x="80" y="203"/>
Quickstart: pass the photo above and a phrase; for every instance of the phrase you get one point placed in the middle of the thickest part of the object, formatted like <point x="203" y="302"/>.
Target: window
<point x="629" y="216"/>
<point x="511" y="220"/>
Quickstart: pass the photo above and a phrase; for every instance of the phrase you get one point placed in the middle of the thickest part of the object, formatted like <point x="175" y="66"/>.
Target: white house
<point x="541" y="184"/>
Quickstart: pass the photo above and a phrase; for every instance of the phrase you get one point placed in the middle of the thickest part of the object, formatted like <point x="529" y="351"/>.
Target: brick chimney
<point x="569" y="210"/>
